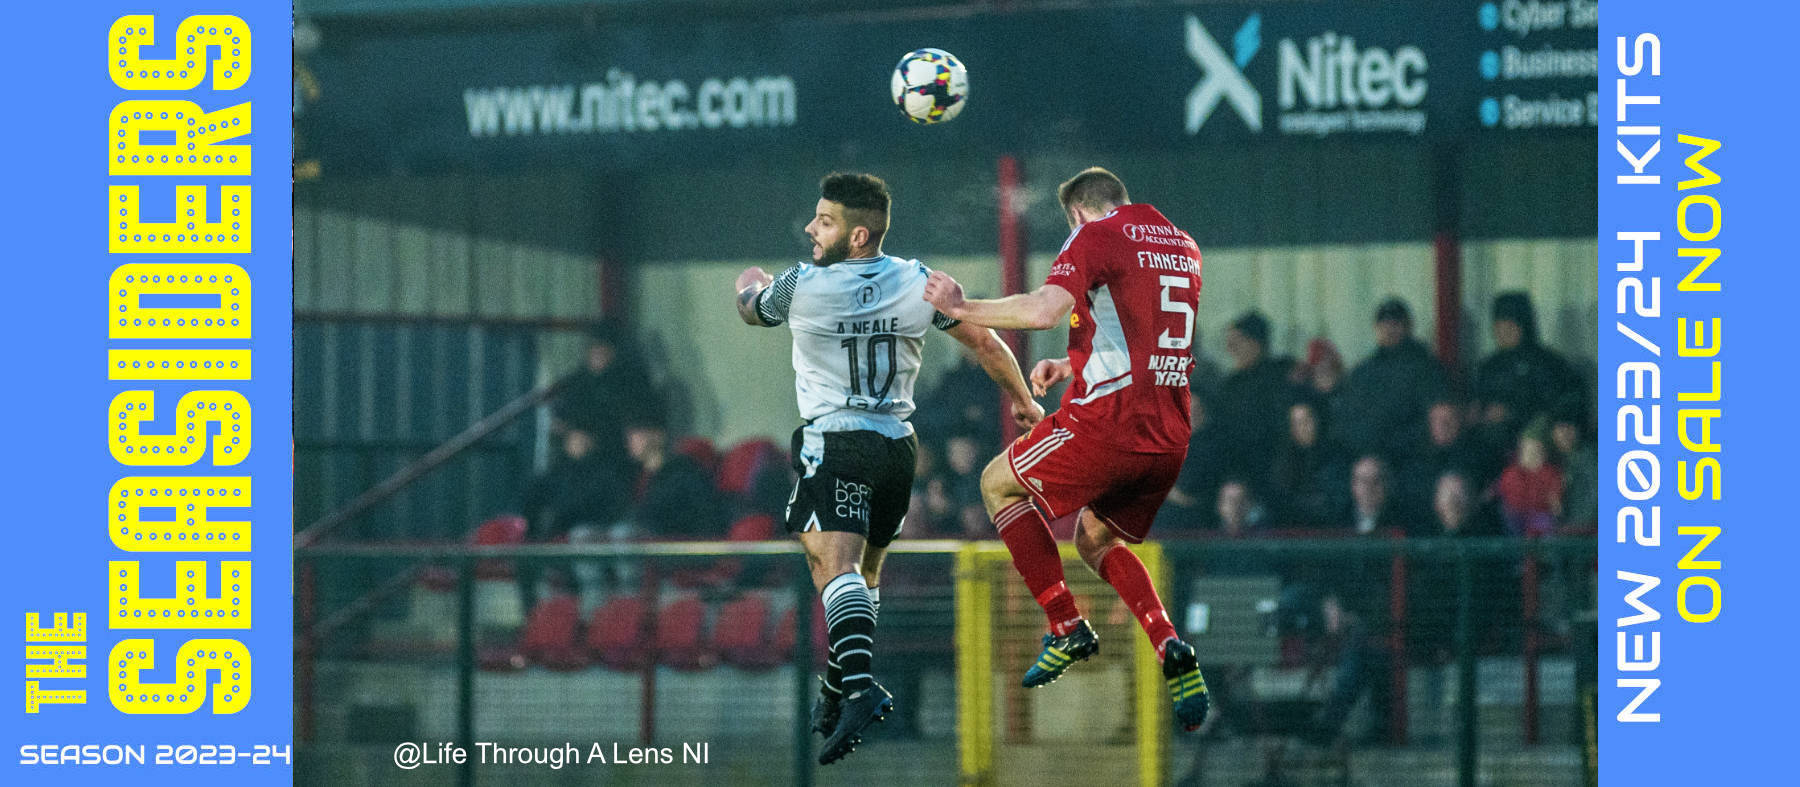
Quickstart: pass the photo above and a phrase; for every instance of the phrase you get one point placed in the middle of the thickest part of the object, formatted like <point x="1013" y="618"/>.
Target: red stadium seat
<point x="503" y="530"/>
<point x="742" y="637"/>
<point x="754" y="527"/>
<point x="739" y="466"/>
<point x="702" y="451"/>
<point x="786" y="630"/>
<point x="549" y="636"/>
<point x="679" y="641"/>
<point x="616" y="633"/>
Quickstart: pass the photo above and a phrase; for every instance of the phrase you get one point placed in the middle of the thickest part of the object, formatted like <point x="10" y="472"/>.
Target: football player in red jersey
<point x="1128" y="282"/>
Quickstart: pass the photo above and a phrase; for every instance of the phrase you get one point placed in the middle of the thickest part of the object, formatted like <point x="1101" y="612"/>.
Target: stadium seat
<point x="505" y="530"/>
<point x="787" y="628"/>
<point x="702" y="451"/>
<point x="616" y="633"/>
<point x="503" y="658"/>
<point x="742" y="636"/>
<point x="549" y="637"/>
<point x="680" y="641"/>
<point x="721" y="574"/>
<point x="739" y="466"/>
<point x="754" y="527"/>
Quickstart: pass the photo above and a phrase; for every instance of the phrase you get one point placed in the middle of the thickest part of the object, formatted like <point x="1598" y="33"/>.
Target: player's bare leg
<point x="835" y="560"/>
<point x="1109" y="557"/>
<point x="1027" y="537"/>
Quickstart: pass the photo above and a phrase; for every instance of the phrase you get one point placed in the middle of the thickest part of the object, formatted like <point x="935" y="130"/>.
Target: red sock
<point x="1122" y="569"/>
<point x="1034" y="554"/>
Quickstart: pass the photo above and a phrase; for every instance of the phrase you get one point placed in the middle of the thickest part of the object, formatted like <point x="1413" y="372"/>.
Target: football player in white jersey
<point x="858" y="318"/>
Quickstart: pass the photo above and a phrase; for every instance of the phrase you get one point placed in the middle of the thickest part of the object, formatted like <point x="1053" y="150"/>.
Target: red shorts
<point x="1063" y="472"/>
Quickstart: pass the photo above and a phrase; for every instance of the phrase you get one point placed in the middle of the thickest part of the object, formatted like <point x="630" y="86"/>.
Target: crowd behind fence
<point x="1342" y="660"/>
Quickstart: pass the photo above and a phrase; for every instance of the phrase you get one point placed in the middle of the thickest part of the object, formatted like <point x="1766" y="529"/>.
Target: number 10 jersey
<point x="858" y="327"/>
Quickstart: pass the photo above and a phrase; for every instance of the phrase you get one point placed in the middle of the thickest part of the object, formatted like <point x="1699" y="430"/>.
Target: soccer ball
<point x="930" y="86"/>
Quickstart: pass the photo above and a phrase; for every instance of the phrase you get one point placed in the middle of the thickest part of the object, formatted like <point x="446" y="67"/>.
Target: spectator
<point x="1357" y="668"/>
<point x="1204" y="375"/>
<point x="1185" y="509"/>
<point x="1253" y="399"/>
<point x="1455" y="510"/>
<point x="580" y="488"/>
<point x="1447" y="448"/>
<point x="1581" y="476"/>
<point x="1531" y="489"/>
<point x="964" y="402"/>
<point x="1522" y="379"/>
<point x="962" y="457"/>
<point x="1431" y="630"/>
<point x="927" y="512"/>
<point x="604" y="394"/>
<point x="579" y="494"/>
<point x="1382" y="408"/>
<point x="673" y="497"/>
<point x="1321" y="376"/>
<point x="1307" y="470"/>
<point x="1238" y="509"/>
<point x="1370" y="507"/>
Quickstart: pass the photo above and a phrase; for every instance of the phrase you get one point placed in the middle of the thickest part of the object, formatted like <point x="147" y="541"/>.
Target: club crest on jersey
<point x="868" y="295"/>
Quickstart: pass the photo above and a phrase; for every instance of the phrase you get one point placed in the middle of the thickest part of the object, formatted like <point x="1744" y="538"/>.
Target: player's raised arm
<point x="750" y="286"/>
<point x="997" y="360"/>
<point x="1034" y="311"/>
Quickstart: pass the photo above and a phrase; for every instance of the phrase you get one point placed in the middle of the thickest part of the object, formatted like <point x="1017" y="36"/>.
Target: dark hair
<point x="1253" y="326"/>
<point x="1393" y="309"/>
<point x="864" y="197"/>
<point x="1516" y="306"/>
<point x="1093" y="188"/>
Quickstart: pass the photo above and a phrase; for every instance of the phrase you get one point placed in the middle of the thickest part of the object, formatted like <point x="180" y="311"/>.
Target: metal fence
<point x="1332" y="661"/>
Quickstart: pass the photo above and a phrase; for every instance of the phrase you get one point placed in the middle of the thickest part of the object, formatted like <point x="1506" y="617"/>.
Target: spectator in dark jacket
<point x="963" y="403"/>
<point x="1308" y="470"/>
<point x="580" y="493"/>
<point x="672" y="496"/>
<point x="1186" y="507"/>
<point x="580" y="488"/>
<point x="1448" y="448"/>
<point x="1320" y="378"/>
<point x="1371" y="507"/>
<point x="1251" y="410"/>
<point x="1382" y="408"/>
<point x="1581" y="481"/>
<point x="1522" y="379"/>
<point x="1456" y="513"/>
<point x="607" y="392"/>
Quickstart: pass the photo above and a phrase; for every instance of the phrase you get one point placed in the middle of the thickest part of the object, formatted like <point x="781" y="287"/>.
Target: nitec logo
<point x="1325" y="83"/>
<point x="1222" y="78"/>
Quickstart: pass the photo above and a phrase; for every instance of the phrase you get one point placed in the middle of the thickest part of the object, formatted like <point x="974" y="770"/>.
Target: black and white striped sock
<point x="834" y="672"/>
<point x="850" y="629"/>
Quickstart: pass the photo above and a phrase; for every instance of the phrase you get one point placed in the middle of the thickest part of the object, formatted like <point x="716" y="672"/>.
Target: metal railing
<point x="1461" y="576"/>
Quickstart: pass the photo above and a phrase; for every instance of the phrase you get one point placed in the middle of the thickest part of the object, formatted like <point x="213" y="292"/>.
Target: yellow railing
<point x="982" y="569"/>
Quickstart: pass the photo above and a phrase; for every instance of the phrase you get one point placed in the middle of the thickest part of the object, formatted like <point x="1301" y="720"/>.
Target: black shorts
<point x="851" y="482"/>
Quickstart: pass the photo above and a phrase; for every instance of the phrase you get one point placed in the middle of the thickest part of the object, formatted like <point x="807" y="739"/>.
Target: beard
<point x="836" y="252"/>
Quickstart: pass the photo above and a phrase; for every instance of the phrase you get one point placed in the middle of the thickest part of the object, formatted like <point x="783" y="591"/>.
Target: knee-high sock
<point x="1122" y="569"/>
<point x="850" y="628"/>
<point x="834" y="672"/>
<point x="1033" y="549"/>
